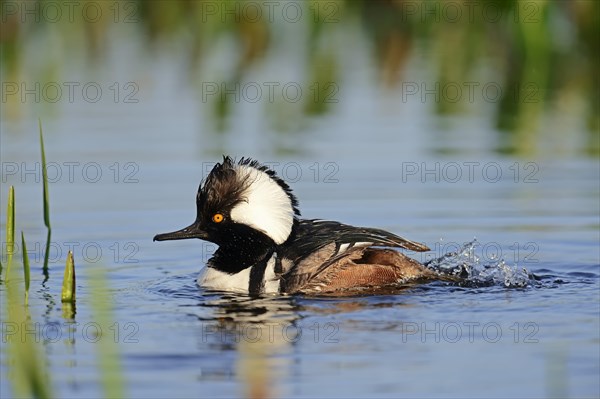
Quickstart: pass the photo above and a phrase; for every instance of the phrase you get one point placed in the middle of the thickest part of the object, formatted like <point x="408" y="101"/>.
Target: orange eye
<point x="217" y="218"/>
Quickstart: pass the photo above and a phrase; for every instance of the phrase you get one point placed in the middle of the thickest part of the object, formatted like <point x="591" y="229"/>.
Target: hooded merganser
<point x="265" y="248"/>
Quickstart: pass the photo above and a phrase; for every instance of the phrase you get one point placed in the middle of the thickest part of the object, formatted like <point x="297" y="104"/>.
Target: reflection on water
<point x="534" y="63"/>
<point x="261" y="331"/>
<point x="268" y="335"/>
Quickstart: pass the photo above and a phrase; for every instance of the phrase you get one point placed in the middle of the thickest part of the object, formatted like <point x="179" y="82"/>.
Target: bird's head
<point x="239" y="201"/>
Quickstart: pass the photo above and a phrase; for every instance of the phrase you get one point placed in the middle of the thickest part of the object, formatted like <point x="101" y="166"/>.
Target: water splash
<point x="465" y="265"/>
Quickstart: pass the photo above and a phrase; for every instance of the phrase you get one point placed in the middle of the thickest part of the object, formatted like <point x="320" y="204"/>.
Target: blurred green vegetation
<point x="533" y="57"/>
<point x="29" y="372"/>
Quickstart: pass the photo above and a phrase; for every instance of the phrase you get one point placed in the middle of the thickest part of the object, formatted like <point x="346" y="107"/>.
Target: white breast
<point x="216" y="280"/>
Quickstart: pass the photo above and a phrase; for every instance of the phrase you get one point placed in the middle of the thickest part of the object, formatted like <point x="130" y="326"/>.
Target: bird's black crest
<point x="222" y="188"/>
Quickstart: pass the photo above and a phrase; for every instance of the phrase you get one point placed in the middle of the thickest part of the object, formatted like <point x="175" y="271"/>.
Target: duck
<point x="266" y="248"/>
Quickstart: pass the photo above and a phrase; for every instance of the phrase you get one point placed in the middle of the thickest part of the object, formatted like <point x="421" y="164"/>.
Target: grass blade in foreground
<point x="28" y="373"/>
<point x="25" y="267"/>
<point x="109" y="363"/>
<point x="46" y="202"/>
<point x="68" y="287"/>
<point x="44" y="180"/>
<point x="10" y="229"/>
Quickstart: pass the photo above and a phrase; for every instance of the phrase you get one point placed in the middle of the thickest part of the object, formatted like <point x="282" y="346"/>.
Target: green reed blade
<point x="25" y="267"/>
<point x="68" y="287"/>
<point x="46" y="203"/>
<point x="46" y="256"/>
<point x="10" y="229"/>
<point x="44" y="179"/>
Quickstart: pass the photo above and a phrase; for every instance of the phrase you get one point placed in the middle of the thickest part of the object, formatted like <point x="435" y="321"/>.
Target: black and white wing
<point x="311" y="235"/>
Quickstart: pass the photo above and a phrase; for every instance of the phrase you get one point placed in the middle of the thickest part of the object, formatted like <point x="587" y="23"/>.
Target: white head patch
<point x="266" y="206"/>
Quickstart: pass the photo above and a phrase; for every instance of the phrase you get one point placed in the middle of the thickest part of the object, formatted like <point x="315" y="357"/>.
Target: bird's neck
<point x="242" y="250"/>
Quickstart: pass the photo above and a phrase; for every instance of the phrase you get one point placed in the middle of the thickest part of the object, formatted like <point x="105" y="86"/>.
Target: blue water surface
<point x="374" y="161"/>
